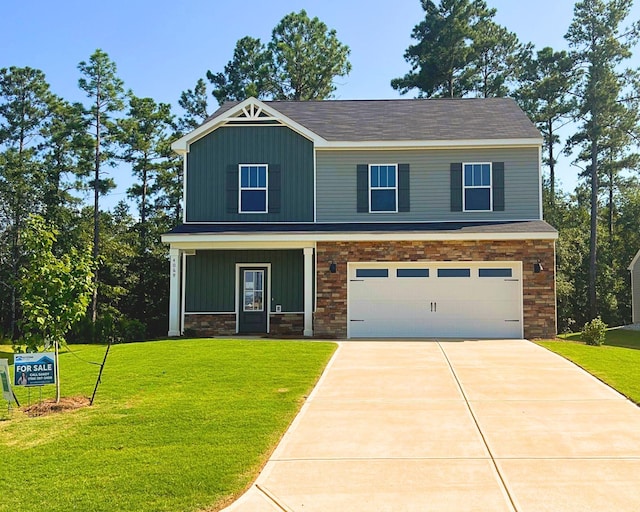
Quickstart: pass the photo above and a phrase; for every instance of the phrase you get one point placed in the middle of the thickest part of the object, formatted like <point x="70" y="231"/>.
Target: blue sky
<point x="161" y="48"/>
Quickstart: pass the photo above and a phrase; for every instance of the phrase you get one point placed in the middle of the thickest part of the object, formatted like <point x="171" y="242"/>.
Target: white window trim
<point x="241" y="189"/>
<point x="465" y="187"/>
<point x="382" y="188"/>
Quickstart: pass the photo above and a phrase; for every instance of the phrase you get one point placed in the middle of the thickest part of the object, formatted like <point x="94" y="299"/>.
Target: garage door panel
<point x="466" y="306"/>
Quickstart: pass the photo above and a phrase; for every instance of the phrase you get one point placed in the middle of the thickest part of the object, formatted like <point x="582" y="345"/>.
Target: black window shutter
<point x="404" y="198"/>
<point x="275" y="189"/>
<point x="456" y="187"/>
<point x="498" y="186"/>
<point x="363" y="188"/>
<point x="232" y="189"/>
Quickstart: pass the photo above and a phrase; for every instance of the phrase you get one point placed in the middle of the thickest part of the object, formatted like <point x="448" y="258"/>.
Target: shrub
<point x="594" y="332"/>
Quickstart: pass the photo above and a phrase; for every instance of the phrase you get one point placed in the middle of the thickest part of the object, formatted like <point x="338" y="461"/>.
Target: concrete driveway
<point x="454" y="426"/>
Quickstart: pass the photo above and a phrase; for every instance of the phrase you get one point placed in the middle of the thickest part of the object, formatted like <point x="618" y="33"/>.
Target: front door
<point x="252" y="318"/>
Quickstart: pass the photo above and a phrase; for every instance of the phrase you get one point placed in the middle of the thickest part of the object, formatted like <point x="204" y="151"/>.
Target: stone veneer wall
<point x="211" y="325"/>
<point x="225" y="324"/>
<point x="539" y="300"/>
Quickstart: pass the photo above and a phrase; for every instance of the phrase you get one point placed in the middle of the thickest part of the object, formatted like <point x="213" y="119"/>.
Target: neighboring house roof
<point x="332" y="123"/>
<point x="634" y="260"/>
<point x="407" y="119"/>
<point x="467" y="228"/>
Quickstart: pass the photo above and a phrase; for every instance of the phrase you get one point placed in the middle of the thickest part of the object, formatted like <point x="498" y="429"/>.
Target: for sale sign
<point x="34" y="369"/>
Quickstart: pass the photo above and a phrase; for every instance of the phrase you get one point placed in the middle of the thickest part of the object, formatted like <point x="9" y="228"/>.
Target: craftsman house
<point x="363" y="219"/>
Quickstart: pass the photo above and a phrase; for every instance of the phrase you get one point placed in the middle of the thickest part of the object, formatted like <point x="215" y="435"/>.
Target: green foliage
<point x="594" y="332"/>
<point x="195" y="104"/>
<point x="460" y="50"/>
<point x="55" y="289"/>
<point x="305" y="57"/>
<point x="245" y="75"/>
<point x="300" y="62"/>
<point x="156" y="411"/>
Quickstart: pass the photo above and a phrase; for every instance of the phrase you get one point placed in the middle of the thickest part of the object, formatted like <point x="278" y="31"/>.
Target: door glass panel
<point x="253" y="290"/>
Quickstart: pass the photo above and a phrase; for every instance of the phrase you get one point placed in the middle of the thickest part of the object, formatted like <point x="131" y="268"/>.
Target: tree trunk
<point x="96" y="218"/>
<point x="593" y="240"/>
<point x="552" y="167"/>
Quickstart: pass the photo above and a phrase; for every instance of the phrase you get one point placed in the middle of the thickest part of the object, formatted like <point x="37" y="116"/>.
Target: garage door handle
<point x="356" y="320"/>
<point x="434" y="307"/>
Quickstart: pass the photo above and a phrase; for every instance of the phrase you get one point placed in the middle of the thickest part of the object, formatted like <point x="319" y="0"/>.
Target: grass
<point x="177" y="425"/>
<point x="617" y="362"/>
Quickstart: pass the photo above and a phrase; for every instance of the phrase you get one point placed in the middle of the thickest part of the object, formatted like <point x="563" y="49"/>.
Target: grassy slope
<point x="177" y="425"/>
<point x="617" y="362"/>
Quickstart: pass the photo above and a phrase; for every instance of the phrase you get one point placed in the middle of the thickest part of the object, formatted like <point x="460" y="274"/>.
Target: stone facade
<point x="286" y="324"/>
<point x="211" y="325"/>
<point x="539" y="297"/>
<point x="280" y="324"/>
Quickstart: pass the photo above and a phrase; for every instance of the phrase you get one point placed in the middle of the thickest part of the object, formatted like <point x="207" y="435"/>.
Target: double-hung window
<point x="383" y="188"/>
<point x="253" y="188"/>
<point x="476" y="187"/>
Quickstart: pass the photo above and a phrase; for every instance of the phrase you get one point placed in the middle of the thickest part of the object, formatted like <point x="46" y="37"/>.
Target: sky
<point x="161" y="48"/>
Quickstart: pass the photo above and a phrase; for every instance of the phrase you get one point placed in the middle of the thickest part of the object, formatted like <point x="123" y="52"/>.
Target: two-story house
<point x="383" y="218"/>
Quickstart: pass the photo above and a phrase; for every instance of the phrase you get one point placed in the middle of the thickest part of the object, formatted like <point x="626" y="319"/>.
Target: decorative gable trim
<point x="249" y="112"/>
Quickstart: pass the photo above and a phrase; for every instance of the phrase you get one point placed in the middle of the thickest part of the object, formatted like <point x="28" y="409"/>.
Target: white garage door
<point x="435" y="299"/>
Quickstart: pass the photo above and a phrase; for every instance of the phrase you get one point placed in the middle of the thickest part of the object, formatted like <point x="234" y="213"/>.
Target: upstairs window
<point x="253" y="188"/>
<point x="477" y="187"/>
<point x="383" y="188"/>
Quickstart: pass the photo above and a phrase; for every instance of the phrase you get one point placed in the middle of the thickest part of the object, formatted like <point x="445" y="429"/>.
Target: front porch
<point x="257" y="288"/>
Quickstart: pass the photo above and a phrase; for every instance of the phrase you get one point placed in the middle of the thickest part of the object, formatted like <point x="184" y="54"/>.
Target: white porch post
<point x="174" y="292"/>
<point x="308" y="291"/>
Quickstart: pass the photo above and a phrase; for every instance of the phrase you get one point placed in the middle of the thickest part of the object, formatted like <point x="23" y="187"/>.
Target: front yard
<point x="617" y="362"/>
<point x="177" y="425"/>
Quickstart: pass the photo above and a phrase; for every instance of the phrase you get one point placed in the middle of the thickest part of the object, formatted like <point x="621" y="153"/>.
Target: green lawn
<point x="177" y="425"/>
<point x="617" y="362"/>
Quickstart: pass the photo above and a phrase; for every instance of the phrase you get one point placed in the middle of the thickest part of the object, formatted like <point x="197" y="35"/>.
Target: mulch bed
<point x="50" y="406"/>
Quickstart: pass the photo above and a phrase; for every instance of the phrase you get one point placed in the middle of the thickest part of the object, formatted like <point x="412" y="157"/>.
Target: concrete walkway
<point x="454" y="426"/>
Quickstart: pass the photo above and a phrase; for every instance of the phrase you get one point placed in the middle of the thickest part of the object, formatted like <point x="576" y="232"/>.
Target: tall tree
<point x="245" y="75"/>
<point x="599" y="45"/>
<point x="142" y="134"/>
<point x="498" y="57"/>
<point x="195" y="104"/>
<point x="300" y="62"/>
<point x="546" y="84"/>
<point x="105" y="90"/>
<point x="305" y="58"/>
<point x="442" y="56"/>
<point x="25" y="101"/>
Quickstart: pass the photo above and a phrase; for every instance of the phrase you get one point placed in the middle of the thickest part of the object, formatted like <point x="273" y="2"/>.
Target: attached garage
<point x="435" y="299"/>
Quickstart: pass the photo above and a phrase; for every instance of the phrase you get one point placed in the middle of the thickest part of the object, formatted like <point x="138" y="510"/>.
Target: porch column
<point x="308" y="291"/>
<point x="174" y="292"/>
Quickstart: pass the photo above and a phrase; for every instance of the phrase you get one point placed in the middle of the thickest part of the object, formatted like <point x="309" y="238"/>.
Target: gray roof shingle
<point x="408" y="119"/>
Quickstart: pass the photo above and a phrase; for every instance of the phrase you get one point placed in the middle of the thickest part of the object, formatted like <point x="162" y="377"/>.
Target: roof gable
<point x="402" y="122"/>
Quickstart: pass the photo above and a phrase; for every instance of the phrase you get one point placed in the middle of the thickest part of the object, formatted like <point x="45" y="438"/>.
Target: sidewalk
<point x="454" y="426"/>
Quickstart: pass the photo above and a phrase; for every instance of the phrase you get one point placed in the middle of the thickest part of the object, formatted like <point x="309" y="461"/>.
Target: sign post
<point x="35" y="369"/>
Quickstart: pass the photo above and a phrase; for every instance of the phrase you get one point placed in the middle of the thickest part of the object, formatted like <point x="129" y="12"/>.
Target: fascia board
<point x="181" y="145"/>
<point x="433" y="144"/>
<point x="189" y="241"/>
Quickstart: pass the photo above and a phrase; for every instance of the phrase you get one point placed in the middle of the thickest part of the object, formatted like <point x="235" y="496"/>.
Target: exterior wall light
<point x="537" y="267"/>
<point x="333" y="268"/>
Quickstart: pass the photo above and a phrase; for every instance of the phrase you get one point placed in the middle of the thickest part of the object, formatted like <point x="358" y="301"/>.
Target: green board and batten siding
<point x="429" y="188"/>
<point x="211" y="279"/>
<point x="210" y="157"/>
